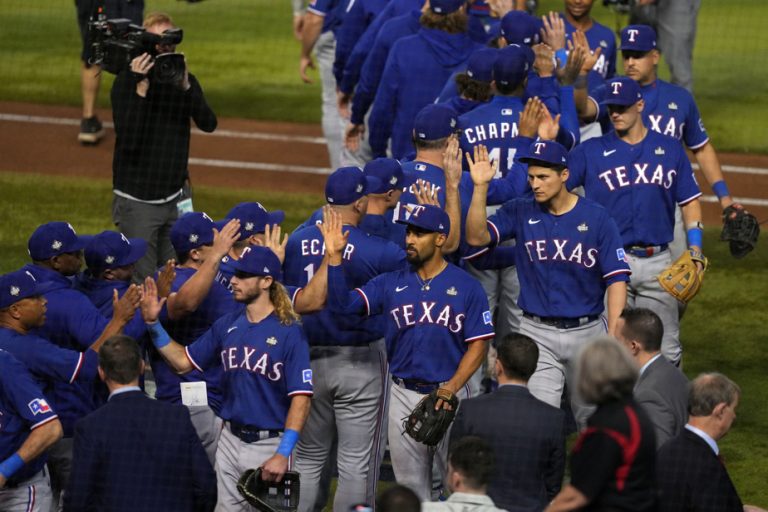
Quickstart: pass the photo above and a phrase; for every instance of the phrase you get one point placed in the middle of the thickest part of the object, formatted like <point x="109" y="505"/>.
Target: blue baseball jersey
<point x="358" y="16"/>
<point x="364" y="257"/>
<point x="99" y="292"/>
<point x="264" y="364"/>
<point x="639" y="184"/>
<point x="598" y="36"/>
<point x="216" y="304"/>
<point x="332" y="12"/>
<point x="382" y="226"/>
<point x="565" y="262"/>
<point x="23" y="408"/>
<point x="429" y="324"/>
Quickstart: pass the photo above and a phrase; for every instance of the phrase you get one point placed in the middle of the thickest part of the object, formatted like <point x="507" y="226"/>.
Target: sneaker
<point x="91" y="131"/>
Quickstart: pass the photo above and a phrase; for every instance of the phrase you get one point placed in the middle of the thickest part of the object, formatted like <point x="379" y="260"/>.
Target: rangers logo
<point x="452" y="291"/>
<point x="249" y="226"/>
<point x="453" y="122"/>
<point x="39" y="406"/>
<point x="659" y="150"/>
<point x="582" y="227"/>
<point x="621" y="255"/>
<point x="109" y="260"/>
<point x="306" y="376"/>
<point x="672" y="106"/>
<point x="272" y="341"/>
<point x="15" y="290"/>
<point x="193" y="238"/>
<point x="487" y="318"/>
<point x="359" y="188"/>
<point x="56" y="245"/>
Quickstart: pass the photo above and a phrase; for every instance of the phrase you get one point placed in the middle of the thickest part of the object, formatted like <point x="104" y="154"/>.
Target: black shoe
<point x="91" y="131"/>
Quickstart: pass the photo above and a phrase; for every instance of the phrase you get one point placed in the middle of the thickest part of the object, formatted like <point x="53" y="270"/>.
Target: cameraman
<point x="152" y="128"/>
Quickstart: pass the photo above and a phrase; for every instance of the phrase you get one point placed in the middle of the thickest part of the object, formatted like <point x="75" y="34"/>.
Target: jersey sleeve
<point x="23" y="393"/>
<point x="204" y="351"/>
<point x="577" y="167"/>
<point x="613" y="260"/>
<point x="385" y="105"/>
<point x="687" y="188"/>
<point x="694" y="133"/>
<point x="88" y="324"/>
<point x="366" y="300"/>
<point x="49" y="360"/>
<point x="478" y="325"/>
<point x="298" y="373"/>
<point x="320" y="7"/>
<point x="501" y="225"/>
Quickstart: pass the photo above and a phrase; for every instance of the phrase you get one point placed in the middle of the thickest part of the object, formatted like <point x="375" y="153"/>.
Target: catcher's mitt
<point x="427" y="425"/>
<point x="740" y="230"/>
<point x="266" y="496"/>
<point x="683" y="279"/>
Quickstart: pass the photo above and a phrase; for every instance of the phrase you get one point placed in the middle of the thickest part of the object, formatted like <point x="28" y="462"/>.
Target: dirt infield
<point x="252" y="154"/>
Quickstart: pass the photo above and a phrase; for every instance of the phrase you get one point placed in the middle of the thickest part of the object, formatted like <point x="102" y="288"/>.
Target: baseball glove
<point x="682" y="279"/>
<point x="740" y="230"/>
<point x="427" y="425"/>
<point x="266" y="496"/>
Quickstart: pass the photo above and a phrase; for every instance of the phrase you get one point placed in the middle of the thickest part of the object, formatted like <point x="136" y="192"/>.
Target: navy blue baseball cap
<point x="388" y="171"/>
<point x="512" y="65"/>
<point x="519" y="27"/>
<point x="18" y="285"/>
<point x="622" y="91"/>
<point x="110" y="249"/>
<point x="429" y="218"/>
<point x="192" y="230"/>
<point x="435" y="121"/>
<point x="640" y="38"/>
<point x="445" y="6"/>
<point x="258" y="261"/>
<point x="253" y="218"/>
<point x="52" y="239"/>
<point x="546" y="153"/>
<point x="480" y="64"/>
<point x="348" y="184"/>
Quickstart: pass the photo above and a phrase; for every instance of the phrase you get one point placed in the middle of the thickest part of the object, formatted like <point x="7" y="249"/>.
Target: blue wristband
<point x="695" y="237"/>
<point x="720" y="189"/>
<point x="159" y="337"/>
<point x="289" y="440"/>
<point x="562" y="57"/>
<point x="11" y="465"/>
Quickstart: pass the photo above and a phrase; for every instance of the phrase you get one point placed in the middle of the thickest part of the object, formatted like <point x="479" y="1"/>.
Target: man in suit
<point x="662" y="389"/>
<point x="690" y="473"/>
<point x="527" y="434"/>
<point x="135" y="453"/>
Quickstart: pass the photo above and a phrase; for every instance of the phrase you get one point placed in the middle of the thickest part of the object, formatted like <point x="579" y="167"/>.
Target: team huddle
<point x="493" y="177"/>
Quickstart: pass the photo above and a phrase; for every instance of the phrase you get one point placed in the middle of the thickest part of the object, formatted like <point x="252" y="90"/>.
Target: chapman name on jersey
<point x="488" y="131"/>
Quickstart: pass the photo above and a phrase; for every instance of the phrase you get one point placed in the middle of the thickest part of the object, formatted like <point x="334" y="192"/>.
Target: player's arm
<point x="91" y="329"/>
<point x="276" y="466"/>
<point x="311" y="29"/>
<point x="482" y="172"/>
<point x="453" y="172"/>
<point x="468" y="365"/>
<point x="40" y="439"/>
<point x="585" y="107"/>
<point x="616" y="300"/>
<point x="709" y="163"/>
<point x="189" y="297"/>
<point x="173" y="352"/>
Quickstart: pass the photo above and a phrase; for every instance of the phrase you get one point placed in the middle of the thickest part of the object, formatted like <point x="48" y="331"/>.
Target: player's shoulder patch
<point x="621" y="255"/>
<point x="487" y="318"/>
<point x="39" y="406"/>
<point x="306" y="376"/>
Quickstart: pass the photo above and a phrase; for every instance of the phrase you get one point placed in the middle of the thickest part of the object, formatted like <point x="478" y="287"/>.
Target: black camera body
<point x="116" y="42"/>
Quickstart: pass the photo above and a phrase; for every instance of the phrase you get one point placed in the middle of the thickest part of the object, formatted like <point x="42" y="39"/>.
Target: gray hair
<point x="708" y="390"/>
<point x="605" y="372"/>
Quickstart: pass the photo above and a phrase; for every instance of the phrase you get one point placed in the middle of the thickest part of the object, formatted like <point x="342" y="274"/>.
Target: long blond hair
<point x="282" y="304"/>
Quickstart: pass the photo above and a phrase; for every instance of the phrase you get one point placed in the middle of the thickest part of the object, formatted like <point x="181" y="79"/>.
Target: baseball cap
<point x="546" y="153"/>
<point x="435" y="121"/>
<point x="641" y="38"/>
<point x="52" y="239"/>
<point x="429" y="218"/>
<point x="445" y="6"/>
<point x="622" y="91"/>
<point x="511" y="65"/>
<point x="192" y="230"/>
<point x="18" y="285"/>
<point x="519" y="27"/>
<point x="480" y="64"/>
<point x="258" y="261"/>
<point x="110" y="249"/>
<point x="388" y="171"/>
<point x="348" y="184"/>
<point x="253" y="218"/>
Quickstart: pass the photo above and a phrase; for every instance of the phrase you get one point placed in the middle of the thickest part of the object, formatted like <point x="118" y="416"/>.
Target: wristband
<point x="289" y="440"/>
<point x="562" y="57"/>
<point x="695" y="237"/>
<point x="159" y="337"/>
<point x="11" y="465"/>
<point x="720" y="189"/>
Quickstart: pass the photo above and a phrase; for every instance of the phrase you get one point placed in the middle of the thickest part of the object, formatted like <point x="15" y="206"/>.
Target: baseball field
<point x="269" y="148"/>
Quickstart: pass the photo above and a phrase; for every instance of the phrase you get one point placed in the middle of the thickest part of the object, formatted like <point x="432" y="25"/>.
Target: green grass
<point x="723" y="329"/>
<point x="247" y="60"/>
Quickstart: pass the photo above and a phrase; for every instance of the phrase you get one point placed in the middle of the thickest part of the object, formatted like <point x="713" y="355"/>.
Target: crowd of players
<point x="471" y="233"/>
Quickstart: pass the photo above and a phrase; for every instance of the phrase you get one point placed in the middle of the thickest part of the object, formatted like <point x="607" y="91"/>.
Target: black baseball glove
<point x="740" y="229"/>
<point x="427" y="425"/>
<point x="264" y="496"/>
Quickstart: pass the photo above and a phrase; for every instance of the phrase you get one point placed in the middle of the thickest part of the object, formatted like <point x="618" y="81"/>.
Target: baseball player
<point x="437" y="327"/>
<point x="569" y="257"/>
<point x="29" y="428"/>
<point x="267" y="380"/>
<point x="471" y="88"/>
<point x="383" y="198"/>
<point x="577" y="17"/>
<point x="639" y="175"/>
<point x="347" y="352"/>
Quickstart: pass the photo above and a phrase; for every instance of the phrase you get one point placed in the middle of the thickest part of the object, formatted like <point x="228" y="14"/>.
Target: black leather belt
<point x="419" y="386"/>
<point x="645" y="251"/>
<point x="562" y="322"/>
<point x="251" y="434"/>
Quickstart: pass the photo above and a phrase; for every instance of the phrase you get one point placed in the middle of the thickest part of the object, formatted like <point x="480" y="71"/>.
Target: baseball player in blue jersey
<point x="569" y="256"/>
<point x="577" y="17"/>
<point x="472" y="87"/>
<point x="28" y="427"/>
<point x="437" y="327"/>
<point x="640" y="176"/>
<point x="267" y="381"/>
<point x="383" y="198"/>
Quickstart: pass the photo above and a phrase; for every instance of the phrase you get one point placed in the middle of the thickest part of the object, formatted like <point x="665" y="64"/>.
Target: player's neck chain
<point x="426" y="281"/>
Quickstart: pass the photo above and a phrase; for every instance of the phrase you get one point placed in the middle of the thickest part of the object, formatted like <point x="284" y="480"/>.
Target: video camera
<point x="117" y="42"/>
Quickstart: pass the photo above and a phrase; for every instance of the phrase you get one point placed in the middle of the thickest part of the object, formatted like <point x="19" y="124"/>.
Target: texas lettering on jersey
<point x="637" y="174"/>
<point x="246" y="358"/>
<point x="561" y="250"/>
<point x="426" y="312"/>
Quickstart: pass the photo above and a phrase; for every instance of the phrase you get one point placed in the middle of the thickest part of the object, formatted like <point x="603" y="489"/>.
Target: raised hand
<point x="352" y="136"/>
<point x="425" y="193"/>
<point x="331" y="229"/>
<point x="224" y="240"/>
<point x="553" y="32"/>
<point x="481" y="168"/>
<point x="150" y="303"/>
<point x="573" y="65"/>
<point x="165" y="278"/>
<point x="548" y="126"/>
<point x="452" y="162"/>
<point x="272" y="241"/>
<point x="124" y="308"/>
<point x="579" y="40"/>
<point x="529" y="118"/>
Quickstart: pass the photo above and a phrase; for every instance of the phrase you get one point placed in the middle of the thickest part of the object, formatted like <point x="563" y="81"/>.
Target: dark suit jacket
<point x="690" y="477"/>
<point x="529" y="445"/>
<point x="139" y="454"/>
<point x="662" y="391"/>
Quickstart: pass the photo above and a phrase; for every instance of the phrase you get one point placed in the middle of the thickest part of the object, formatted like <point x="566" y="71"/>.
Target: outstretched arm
<point x="482" y="172"/>
<point x="171" y="351"/>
